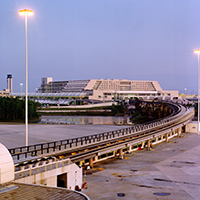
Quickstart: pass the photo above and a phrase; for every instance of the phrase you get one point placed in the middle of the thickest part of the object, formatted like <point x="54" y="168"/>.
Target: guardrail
<point x="31" y="168"/>
<point x="45" y="148"/>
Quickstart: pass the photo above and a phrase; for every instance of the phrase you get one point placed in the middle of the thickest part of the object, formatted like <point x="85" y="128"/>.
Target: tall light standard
<point x="26" y="13"/>
<point x="21" y="88"/>
<point x="198" y="52"/>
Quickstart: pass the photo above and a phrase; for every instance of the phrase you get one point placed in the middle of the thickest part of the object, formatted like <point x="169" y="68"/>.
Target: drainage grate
<point x="162" y="193"/>
<point x="120" y="194"/>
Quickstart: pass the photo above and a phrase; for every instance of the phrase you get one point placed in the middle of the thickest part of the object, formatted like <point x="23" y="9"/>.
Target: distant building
<point x="9" y="83"/>
<point x="5" y="92"/>
<point x="106" y="89"/>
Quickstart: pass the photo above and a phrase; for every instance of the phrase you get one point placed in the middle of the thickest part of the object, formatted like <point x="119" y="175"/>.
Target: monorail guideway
<point x="82" y="148"/>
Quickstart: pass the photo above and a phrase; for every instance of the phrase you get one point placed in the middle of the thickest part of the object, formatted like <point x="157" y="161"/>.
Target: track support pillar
<point x="115" y="153"/>
<point x="96" y="158"/>
<point x="148" y="144"/>
<point x="179" y="131"/>
<point x="161" y="137"/>
<point x="81" y="162"/>
<point x="129" y="148"/>
<point x="156" y="139"/>
<point x="121" y="153"/>
<point x="91" y="162"/>
<point x="166" y="137"/>
<point x="143" y="143"/>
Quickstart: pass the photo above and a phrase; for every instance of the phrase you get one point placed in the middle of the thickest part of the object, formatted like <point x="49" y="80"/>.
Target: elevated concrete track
<point x="44" y="163"/>
<point x="87" y="147"/>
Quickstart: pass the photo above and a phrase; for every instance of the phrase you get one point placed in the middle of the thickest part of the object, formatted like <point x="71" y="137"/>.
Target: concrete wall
<point x="191" y="127"/>
<point x="49" y="178"/>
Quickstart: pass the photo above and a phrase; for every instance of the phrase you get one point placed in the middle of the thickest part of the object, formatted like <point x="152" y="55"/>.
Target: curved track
<point x="88" y="146"/>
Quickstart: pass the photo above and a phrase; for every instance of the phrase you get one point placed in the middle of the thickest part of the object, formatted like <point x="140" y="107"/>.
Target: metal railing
<point x="35" y="168"/>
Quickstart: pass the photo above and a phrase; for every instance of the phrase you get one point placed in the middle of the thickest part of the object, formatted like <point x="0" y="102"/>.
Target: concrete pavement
<point x="14" y="135"/>
<point x="170" y="171"/>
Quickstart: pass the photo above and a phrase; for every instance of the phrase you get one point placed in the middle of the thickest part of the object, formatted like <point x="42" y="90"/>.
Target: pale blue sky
<point x="115" y="39"/>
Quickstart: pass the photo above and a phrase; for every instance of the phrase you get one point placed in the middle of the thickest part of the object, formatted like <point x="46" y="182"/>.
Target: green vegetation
<point x="12" y="109"/>
<point x="120" y="109"/>
<point x="148" y="111"/>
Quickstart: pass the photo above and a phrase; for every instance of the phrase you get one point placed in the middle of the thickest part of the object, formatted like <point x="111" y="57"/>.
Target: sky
<point x="101" y="39"/>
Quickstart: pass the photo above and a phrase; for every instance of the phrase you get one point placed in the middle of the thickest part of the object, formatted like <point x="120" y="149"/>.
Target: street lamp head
<point x="26" y="12"/>
<point x="197" y="51"/>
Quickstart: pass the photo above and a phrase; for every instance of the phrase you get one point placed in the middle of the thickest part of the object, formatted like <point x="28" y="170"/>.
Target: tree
<point x="148" y="111"/>
<point x="13" y="109"/>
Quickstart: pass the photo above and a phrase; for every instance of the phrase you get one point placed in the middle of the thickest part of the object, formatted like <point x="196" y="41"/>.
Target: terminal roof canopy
<point x="68" y="94"/>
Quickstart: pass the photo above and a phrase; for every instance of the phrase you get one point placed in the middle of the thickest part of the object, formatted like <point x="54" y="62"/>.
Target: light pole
<point x="26" y="13"/>
<point x="21" y="88"/>
<point x="198" y="51"/>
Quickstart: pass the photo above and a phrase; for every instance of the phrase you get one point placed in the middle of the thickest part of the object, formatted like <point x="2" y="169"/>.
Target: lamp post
<point x="198" y="52"/>
<point x="21" y="88"/>
<point x="26" y="13"/>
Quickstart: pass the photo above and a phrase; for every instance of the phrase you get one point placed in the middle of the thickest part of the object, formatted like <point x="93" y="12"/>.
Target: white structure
<point x="106" y="90"/>
<point x="47" y="80"/>
<point x="6" y="165"/>
<point x="4" y="92"/>
<point x="192" y="127"/>
<point x="55" y="173"/>
<point x="60" y="173"/>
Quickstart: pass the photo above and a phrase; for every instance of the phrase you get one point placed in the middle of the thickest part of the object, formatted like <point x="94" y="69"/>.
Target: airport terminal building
<point x="106" y="89"/>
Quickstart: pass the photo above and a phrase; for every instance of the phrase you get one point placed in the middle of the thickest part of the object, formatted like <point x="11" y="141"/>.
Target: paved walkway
<point x="171" y="171"/>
